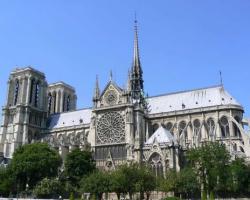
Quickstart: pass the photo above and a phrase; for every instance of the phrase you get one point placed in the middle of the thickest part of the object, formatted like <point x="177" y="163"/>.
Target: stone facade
<point x="123" y="125"/>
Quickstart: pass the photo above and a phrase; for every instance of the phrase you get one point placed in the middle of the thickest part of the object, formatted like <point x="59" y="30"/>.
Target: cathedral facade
<point x="123" y="125"/>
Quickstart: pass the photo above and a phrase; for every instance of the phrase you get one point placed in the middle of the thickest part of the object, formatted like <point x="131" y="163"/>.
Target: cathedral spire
<point x="136" y="68"/>
<point x="97" y="89"/>
<point x="136" y="71"/>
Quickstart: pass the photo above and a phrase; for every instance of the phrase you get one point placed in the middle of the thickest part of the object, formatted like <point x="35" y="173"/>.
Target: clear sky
<point x="183" y="43"/>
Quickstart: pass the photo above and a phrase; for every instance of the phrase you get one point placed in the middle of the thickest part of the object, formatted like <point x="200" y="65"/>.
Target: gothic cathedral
<point x="123" y="124"/>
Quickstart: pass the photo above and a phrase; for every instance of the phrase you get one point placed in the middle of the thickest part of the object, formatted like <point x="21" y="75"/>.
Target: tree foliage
<point x="210" y="163"/>
<point x="48" y="188"/>
<point x="209" y="172"/>
<point x="146" y="182"/>
<point x="239" y="178"/>
<point x="118" y="182"/>
<point x="77" y="165"/>
<point x="97" y="183"/>
<point x="169" y="183"/>
<point x="33" y="162"/>
<point x="126" y="179"/>
<point x="6" y="182"/>
<point x="182" y="183"/>
<point x="186" y="183"/>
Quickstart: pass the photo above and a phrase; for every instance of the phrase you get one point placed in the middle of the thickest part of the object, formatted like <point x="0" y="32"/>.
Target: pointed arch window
<point x="235" y="147"/>
<point x="64" y="99"/>
<point x="54" y="102"/>
<point x="37" y="93"/>
<point x="68" y="103"/>
<point x="210" y="128"/>
<point x="170" y="127"/>
<point x="30" y="136"/>
<point x="153" y="128"/>
<point x="155" y="161"/>
<point x="224" y="127"/>
<point x="49" y="103"/>
<point x="183" y="131"/>
<point x="16" y="93"/>
<point x="31" y="90"/>
<point x="236" y="128"/>
<point x="197" y="131"/>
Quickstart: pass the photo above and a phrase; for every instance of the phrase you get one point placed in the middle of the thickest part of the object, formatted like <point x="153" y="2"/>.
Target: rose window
<point x="111" y="128"/>
<point x="111" y="97"/>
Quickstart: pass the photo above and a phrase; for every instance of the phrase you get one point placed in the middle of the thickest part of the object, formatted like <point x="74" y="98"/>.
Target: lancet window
<point x="210" y="128"/>
<point x="197" y="131"/>
<point x="49" y="103"/>
<point x="68" y="103"/>
<point x="236" y="128"/>
<point x="224" y="127"/>
<point x="31" y="90"/>
<point x="37" y="91"/>
<point x="156" y="164"/>
<point x="16" y="92"/>
<point x="170" y="127"/>
<point x="183" y="131"/>
<point x="54" y="102"/>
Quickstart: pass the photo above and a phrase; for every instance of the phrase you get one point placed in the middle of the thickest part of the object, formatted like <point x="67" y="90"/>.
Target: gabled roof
<point x="111" y="82"/>
<point x="68" y="119"/>
<point x="200" y="98"/>
<point x="161" y="135"/>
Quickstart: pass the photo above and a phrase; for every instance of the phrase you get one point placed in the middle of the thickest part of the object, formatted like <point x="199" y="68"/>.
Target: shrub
<point x="171" y="198"/>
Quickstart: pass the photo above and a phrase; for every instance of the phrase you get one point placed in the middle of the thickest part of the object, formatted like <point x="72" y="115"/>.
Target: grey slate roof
<point x="205" y="97"/>
<point x="68" y="119"/>
<point x="162" y="136"/>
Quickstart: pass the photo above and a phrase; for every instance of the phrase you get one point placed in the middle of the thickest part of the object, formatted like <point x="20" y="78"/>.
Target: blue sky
<point x="183" y="43"/>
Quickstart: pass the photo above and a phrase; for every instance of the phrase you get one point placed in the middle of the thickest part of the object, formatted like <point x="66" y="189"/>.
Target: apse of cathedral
<point x="123" y="125"/>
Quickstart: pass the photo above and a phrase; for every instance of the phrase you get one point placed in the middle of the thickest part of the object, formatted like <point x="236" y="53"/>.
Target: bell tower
<point x="24" y="115"/>
<point x="61" y="98"/>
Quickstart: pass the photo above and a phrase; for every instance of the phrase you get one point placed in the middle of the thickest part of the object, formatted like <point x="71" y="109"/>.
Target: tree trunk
<point x="141" y="195"/>
<point x="130" y="196"/>
<point x="118" y="196"/>
<point x="99" y="196"/>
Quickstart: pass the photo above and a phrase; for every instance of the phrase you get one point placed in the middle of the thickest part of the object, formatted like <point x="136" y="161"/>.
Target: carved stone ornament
<point x="111" y="97"/>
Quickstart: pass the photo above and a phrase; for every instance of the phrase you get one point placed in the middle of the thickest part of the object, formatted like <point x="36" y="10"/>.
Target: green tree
<point x="186" y="183"/>
<point x="97" y="183"/>
<point x="130" y="178"/>
<point x="146" y="181"/>
<point x="49" y="188"/>
<point x="169" y="183"/>
<point x="6" y="182"/>
<point x="77" y="165"/>
<point x="210" y="163"/>
<point x="239" y="178"/>
<point x="117" y="183"/>
<point x="33" y="162"/>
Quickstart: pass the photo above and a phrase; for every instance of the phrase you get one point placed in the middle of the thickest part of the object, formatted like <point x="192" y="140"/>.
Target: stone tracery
<point x="111" y="128"/>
